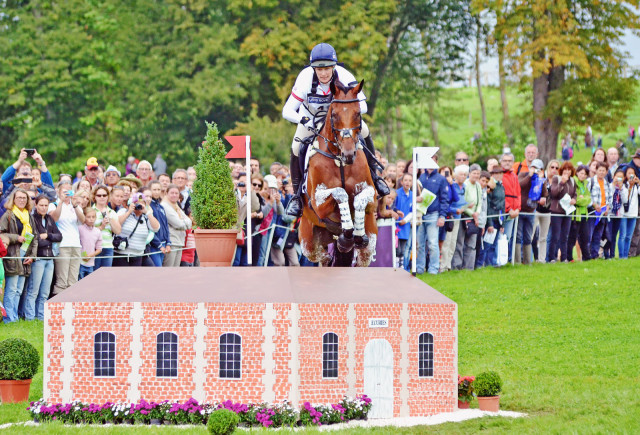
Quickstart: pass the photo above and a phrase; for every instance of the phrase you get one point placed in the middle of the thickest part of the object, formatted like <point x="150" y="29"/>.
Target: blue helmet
<point x="323" y="55"/>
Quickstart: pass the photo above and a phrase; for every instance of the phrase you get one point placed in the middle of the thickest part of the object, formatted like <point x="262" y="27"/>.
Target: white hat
<point x="271" y="181"/>
<point x="112" y="168"/>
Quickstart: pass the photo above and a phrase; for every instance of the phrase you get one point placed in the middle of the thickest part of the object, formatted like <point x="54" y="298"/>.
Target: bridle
<point x="340" y="133"/>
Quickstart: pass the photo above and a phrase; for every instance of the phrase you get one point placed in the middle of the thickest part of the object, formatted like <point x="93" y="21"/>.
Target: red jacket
<point x="512" y="200"/>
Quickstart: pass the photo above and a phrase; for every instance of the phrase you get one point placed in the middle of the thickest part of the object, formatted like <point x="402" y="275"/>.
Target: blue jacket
<point x="10" y="173"/>
<point x="439" y="186"/>
<point x="162" y="237"/>
<point x="457" y="200"/>
<point x="404" y="203"/>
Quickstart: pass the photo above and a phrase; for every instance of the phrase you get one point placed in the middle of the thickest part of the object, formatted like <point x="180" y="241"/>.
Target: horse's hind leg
<point x="312" y="244"/>
<point x="360" y="203"/>
<point x="345" y="240"/>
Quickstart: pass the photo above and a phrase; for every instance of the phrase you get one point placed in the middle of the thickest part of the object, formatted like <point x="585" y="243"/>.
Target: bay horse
<point x="340" y="197"/>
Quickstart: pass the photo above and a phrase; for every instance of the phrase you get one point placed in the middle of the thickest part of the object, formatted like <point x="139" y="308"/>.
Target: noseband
<point x="341" y="133"/>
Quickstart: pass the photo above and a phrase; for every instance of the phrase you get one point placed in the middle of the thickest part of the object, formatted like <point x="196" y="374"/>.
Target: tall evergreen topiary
<point x="213" y="201"/>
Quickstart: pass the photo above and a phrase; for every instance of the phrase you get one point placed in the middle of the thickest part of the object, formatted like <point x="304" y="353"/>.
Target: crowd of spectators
<point x="546" y="211"/>
<point x="53" y="234"/>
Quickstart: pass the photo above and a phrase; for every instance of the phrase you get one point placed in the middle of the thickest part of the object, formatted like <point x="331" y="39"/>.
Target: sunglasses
<point x="241" y="184"/>
<point x="102" y="195"/>
<point x="554" y="167"/>
<point x="256" y="185"/>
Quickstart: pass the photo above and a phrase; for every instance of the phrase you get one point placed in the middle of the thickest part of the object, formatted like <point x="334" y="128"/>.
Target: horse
<point x="340" y="198"/>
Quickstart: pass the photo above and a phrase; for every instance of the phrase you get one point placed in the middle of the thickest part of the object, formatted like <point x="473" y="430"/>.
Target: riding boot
<point x="294" y="208"/>
<point x="378" y="182"/>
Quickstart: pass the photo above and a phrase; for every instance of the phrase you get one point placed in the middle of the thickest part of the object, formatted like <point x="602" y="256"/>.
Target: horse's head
<point x="345" y="119"/>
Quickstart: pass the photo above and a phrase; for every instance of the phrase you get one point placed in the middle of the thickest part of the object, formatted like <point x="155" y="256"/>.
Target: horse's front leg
<point x="322" y="194"/>
<point x="360" y="203"/>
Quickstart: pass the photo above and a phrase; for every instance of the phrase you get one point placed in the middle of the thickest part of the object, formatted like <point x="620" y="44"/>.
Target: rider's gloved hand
<point x="304" y="120"/>
<point x="307" y="122"/>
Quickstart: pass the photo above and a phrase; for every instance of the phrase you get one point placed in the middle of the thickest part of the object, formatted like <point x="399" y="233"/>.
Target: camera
<point x="139" y="207"/>
<point x="30" y="151"/>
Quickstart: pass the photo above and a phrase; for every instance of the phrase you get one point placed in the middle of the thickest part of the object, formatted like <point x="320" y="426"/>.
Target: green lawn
<point x="564" y="337"/>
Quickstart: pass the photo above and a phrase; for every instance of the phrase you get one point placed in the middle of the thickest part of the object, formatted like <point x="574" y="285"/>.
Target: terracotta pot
<point x="14" y="391"/>
<point x="463" y="405"/>
<point x="491" y="403"/>
<point x="216" y="248"/>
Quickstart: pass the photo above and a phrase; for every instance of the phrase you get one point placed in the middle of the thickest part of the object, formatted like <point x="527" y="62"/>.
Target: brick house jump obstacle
<point x="254" y="335"/>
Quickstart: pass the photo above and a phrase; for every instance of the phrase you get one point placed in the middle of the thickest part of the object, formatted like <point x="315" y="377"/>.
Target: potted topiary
<point x="487" y="387"/>
<point x="213" y="203"/>
<point x="19" y="362"/>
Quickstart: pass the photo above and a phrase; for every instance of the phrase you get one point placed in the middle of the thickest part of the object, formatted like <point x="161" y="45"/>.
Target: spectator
<point x="160" y="245"/>
<point x="131" y="166"/>
<point x="258" y="248"/>
<point x="191" y="174"/>
<point x="620" y="197"/>
<point x="17" y="223"/>
<point x="612" y="160"/>
<point x="599" y="155"/>
<point x="457" y="206"/>
<point x="635" y="163"/>
<point x="400" y="166"/>
<point x="461" y="158"/>
<point x="630" y="213"/>
<point x="91" y="241"/>
<point x="107" y="223"/>
<point x="159" y="165"/>
<point x="592" y="168"/>
<point x="255" y="166"/>
<point x="189" y="251"/>
<point x="164" y="180"/>
<point x="39" y="284"/>
<point x="272" y="209"/>
<point x="428" y="230"/>
<point x="137" y="221"/>
<point x="392" y="171"/>
<point x="561" y="185"/>
<point x="580" y="229"/>
<point x="495" y="211"/>
<point x="39" y="186"/>
<point x="91" y="172"/>
<point x="512" y="200"/>
<point x="65" y="177"/>
<point x="144" y="172"/>
<point x="602" y="198"/>
<point x="68" y="215"/>
<point x="530" y="154"/>
<point x="543" y="213"/>
<point x="485" y="177"/>
<point x="465" y="252"/>
<point x="588" y="138"/>
<point x="492" y="163"/>
<point x="116" y="198"/>
<point x="111" y="177"/>
<point x="178" y="223"/>
<point x="241" y="198"/>
<point x="19" y="167"/>
<point x="83" y="185"/>
<point x="180" y="178"/>
<point x="404" y="204"/>
<point x="533" y="174"/>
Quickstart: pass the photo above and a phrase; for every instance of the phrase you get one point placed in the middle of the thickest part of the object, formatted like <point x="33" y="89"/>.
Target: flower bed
<point x="192" y="412"/>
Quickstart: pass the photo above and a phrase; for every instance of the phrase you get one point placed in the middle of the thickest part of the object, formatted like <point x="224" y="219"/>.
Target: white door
<point x="378" y="378"/>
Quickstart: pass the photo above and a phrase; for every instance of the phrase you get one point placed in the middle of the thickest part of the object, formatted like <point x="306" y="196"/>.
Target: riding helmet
<point x="323" y="55"/>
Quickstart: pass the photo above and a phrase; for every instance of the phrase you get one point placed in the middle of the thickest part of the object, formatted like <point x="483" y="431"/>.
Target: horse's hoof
<point x="361" y="241"/>
<point x="345" y="243"/>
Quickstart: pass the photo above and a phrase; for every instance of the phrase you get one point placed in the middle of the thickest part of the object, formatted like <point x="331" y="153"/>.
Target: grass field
<point x="564" y="337"/>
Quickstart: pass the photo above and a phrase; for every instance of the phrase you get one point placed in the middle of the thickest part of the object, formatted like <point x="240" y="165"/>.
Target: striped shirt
<point x="138" y="240"/>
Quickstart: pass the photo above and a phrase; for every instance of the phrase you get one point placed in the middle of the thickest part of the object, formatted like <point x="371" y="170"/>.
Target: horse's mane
<point x="344" y="88"/>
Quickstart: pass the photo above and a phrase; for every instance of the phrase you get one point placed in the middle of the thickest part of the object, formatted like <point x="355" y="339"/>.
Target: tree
<point x="567" y="46"/>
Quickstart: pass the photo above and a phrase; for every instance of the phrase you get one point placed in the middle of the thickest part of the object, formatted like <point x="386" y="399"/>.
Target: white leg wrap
<point x="341" y="197"/>
<point x="360" y="202"/>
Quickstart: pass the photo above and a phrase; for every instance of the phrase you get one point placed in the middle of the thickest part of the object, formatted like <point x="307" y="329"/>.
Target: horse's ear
<point x="359" y="87"/>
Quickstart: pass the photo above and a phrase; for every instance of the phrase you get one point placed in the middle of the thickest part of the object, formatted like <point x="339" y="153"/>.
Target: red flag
<point x="238" y="147"/>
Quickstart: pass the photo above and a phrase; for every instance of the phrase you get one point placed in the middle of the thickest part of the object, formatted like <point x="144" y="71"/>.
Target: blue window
<point x="167" y="355"/>
<point x="230" y="356"/>
<point x="104" y="354"/>
<point x="330" y="355"/>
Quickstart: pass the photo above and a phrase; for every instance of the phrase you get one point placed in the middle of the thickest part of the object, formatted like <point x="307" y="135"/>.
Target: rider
<point x="312" y="91"/>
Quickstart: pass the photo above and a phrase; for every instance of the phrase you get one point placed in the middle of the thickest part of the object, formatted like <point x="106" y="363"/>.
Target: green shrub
<point x="213" y="201"/>
<point x="223" y="422"/>
<point x="19" y="360"/>
<point x="487" y="384"/>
